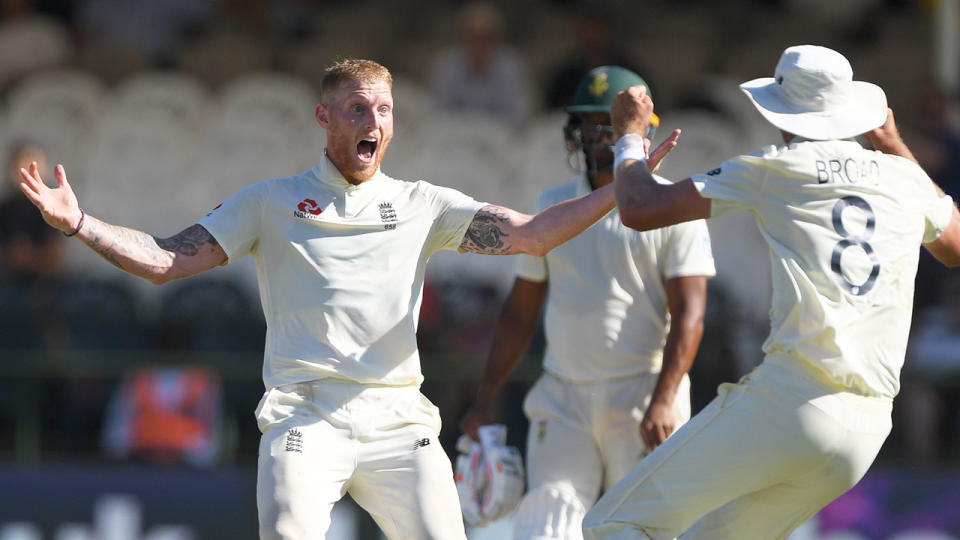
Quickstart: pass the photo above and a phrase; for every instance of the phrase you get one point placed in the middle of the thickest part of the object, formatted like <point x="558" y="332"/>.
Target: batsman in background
<point x="844" y="225"/>
<point x="624" y="318"/>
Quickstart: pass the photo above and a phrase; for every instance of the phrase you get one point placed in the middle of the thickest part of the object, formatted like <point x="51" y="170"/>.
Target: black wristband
<point x="79" y="224"/>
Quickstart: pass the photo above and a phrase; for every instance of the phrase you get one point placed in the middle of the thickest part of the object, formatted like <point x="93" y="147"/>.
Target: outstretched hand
<point x="655" y="158"/>
<point x="58" y="205"/>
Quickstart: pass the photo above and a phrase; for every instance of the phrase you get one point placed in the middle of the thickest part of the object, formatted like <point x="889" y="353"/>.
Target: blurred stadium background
<point x="126" y="410"/>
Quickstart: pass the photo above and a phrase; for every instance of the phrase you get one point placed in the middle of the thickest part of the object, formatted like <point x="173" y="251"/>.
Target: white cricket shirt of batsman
<point x="340" y="269"/>
<point x="606" y="314"/>
<point x="843" y="224"/>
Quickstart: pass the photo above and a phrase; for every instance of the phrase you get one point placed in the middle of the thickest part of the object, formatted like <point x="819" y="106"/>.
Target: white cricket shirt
<point x="340" y="269"/>
<point x="844" y="225"/>
<point x="606" y="315"/>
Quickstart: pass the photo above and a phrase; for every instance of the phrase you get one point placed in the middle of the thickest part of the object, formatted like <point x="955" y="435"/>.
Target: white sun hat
<point x="812" y="94"/>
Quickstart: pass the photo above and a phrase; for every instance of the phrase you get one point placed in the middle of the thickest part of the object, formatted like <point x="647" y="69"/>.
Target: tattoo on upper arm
<point x="485" y="234"/>
<point x="189" y="241"/>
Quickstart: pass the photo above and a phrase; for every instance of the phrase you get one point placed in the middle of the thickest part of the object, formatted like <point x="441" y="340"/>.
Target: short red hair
<point x="355" y="70"/>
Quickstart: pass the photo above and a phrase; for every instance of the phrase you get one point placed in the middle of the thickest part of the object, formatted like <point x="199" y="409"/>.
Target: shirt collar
<point x="798" y="139"/>
<point x="328" y="175"/>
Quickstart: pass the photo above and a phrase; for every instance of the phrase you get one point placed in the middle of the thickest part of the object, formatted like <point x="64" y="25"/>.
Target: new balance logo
<point x="421" y="443"/>
<point x="294" y="442"/>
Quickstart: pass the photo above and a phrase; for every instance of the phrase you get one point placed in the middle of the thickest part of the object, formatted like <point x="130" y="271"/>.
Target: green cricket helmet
<point x="600" y="86"/>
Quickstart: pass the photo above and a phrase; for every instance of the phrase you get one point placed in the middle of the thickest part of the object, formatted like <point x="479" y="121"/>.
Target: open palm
<point x="58" y="205"/>
<point x="655" y="158"/>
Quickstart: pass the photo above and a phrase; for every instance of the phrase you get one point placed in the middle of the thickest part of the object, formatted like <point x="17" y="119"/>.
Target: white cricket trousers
<point x="325" y="438"/>
<point x="761" y="459"/>
<point x="583" y="437"/>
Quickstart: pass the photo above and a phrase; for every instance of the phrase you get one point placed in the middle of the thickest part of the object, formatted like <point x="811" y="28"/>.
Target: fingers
<point x="469" y="427"/>
<point x="881" y="136"/>
<point x="61" y="175"/>
<point x="668" y="145"/>
<point x="648" y="440"/>
<point x="31" y="178"/>
<point x="638" y="92"/>
<point x="654" y="433"/>
<point x="30" y="192"/>
<point x="33" y="173"/>
<point x="25" y="176"/>
<point x="658" y="434"/>
<point x="661" y="151"/>
<point x="664" y="431"/>
<point x="630" y="111"/>
<point x="471" y="423"/>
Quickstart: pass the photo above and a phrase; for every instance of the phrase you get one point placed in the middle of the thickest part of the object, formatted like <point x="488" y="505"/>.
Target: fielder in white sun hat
<point x="812" y="94"/>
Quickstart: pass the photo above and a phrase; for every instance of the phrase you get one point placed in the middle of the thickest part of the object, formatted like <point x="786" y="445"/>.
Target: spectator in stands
<point x="936" y="144"/>
<point x="150" y="32"/>
<point x="29" y="248"/>
<point x="170" y="415"/>
<point x="929" y="399"/>
<point x="29" y="40"/>
<point x="481" y="73"/>
<point x="595" y="41"/>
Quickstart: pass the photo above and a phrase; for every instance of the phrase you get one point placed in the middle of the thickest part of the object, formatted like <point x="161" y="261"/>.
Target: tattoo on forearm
<point x="104" y="239"/>
<point x="141" y="254"/>
<point x="485" y="234"/>
<point x="188" y="242"/>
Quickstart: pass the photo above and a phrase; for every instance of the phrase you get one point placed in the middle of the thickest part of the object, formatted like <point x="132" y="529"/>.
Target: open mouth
<point x="366" y="149"/>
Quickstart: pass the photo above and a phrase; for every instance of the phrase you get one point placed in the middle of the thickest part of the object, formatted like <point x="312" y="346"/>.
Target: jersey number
<point x="854" y="240"/>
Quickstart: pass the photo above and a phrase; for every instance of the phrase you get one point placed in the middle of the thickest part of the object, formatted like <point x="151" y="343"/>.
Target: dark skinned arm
<point x="687" y="301"/>
<point x="511" y="337"/>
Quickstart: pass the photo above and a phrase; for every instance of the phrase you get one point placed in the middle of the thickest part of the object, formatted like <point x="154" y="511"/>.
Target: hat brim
<point x="864" y="110"/>
<point x="588" y="109"/>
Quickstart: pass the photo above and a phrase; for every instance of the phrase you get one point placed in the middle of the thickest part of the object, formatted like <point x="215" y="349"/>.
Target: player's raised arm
<point x="886" y="139"/>
<point x="157" y="260"/>
<point x="946" y="248"/>
<point x="497" y="230"/>
<point x="645" y="204"/>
